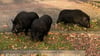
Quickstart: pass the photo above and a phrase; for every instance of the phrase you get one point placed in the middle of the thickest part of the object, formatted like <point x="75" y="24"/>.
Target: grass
<point x="95" y="26"/>
<point x="97" y="1"/>
<point x="56" y="41"/>
<point x="53" y="42"/>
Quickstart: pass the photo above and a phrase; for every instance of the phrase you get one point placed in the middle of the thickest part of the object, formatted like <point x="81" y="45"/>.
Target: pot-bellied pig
<point x="75" y="17"/>
<point x="40" y="27"/>
<point x="23" y="21"/>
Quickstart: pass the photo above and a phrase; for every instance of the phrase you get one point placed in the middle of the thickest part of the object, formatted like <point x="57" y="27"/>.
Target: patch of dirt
<point x="66" y="4"/>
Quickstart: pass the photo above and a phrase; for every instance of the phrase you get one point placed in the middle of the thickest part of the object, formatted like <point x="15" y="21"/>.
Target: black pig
<point x="23" y="21"/>
<point x="40" y="27"/>
<point x="75" y="17"/>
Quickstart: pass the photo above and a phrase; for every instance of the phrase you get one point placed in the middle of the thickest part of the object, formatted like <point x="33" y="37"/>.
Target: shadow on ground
<point x="78" y="1"/>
